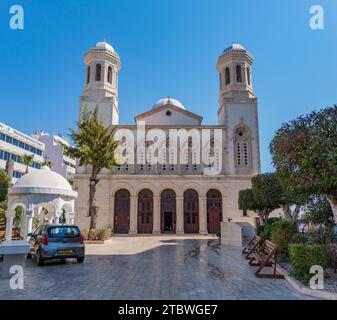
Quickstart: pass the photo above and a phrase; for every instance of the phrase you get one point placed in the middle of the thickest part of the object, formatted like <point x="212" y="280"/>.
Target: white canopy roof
<point x="43" y="181"/>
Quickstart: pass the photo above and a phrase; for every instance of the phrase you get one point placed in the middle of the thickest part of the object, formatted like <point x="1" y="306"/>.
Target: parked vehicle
<point x="51" y="241"/>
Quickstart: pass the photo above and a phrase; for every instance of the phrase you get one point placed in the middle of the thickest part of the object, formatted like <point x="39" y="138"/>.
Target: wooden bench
<point x="252" y="246"/>
<point x="265" y="255"/>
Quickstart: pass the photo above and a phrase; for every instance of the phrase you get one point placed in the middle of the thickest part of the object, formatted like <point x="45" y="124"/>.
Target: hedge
<point x="303" y="257"/>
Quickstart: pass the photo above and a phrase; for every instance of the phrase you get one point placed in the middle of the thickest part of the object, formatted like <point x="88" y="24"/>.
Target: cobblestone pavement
<point x="151" y="268"/>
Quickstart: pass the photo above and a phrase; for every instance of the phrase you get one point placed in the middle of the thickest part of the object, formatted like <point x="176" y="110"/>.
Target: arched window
<point x="88" y="74"/>
<point x="227" y="76"/>
<point x="248" y="76"/>
<point x="242" y="148"/>
<point x="98" y="72"/>
<point x="109" y="74"/>
<point x="238" y="74"/>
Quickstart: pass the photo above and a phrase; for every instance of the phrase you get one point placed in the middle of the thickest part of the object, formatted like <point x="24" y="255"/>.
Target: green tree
<point x="48" y="164"/>
<point x="4" y="185"/>
<point x="27" y="160"/>
<point x="318" y="212"/>
<point x="263" y="198"/>
<point x="266" y="194"/>
<point x="290" y="203"/>
<point x="304" y="152"/>
<point x="94" y="146"/>
<point x="247" y="201"/>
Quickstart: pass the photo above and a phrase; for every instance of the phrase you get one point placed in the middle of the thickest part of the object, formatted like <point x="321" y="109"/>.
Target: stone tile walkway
<point x="163" y="267"/>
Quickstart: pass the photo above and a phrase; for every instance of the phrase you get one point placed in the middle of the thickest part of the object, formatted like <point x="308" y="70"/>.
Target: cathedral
<point x="173" y="194"/>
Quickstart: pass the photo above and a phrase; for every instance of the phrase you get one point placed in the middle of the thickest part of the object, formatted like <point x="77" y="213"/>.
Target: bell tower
<point x="102" y="65"/>
<point x="238" y="110"/>
<point x="234" y="67"/>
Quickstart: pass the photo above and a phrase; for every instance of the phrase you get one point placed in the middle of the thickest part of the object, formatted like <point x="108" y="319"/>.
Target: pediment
<point x="169" y="115"/>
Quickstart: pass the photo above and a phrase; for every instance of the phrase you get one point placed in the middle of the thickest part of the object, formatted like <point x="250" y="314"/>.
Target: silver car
<point x="51" y="241"/>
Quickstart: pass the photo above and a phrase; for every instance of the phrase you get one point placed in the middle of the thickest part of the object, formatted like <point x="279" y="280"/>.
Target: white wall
<point x="176" y="118"/>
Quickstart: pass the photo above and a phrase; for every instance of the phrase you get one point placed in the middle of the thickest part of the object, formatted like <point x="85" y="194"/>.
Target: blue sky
<point x="167" y="48"/>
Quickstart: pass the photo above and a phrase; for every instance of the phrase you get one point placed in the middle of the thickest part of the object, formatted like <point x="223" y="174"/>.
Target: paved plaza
<point x="161" y="267"/>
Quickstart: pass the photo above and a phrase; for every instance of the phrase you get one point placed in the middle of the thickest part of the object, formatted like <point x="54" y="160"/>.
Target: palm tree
<point x="27" y="160"/>
<point x="48" y="163"/>
<point x="94" y="147"/>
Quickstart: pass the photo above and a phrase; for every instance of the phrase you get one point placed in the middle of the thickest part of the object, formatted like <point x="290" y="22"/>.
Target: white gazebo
<point x="37" y="190"/>
<point x="37" y="193"/>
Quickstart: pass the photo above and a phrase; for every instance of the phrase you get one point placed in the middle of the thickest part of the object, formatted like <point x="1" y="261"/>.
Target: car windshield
<point x="64" y="232"/>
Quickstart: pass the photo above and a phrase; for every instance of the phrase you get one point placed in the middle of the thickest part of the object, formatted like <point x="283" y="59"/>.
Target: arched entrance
<point x="145" y="211"/>
<point x="168" y="211"/>
<point x="214" y="211"/>
<point x="191" y="211"/>
<point x="122" y="211"/>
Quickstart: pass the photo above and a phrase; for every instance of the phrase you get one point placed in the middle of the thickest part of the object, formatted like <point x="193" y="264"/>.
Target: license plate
<point x="68" y="251"/>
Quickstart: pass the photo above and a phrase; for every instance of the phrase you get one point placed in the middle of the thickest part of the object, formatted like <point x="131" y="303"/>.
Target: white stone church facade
<point x="174" y="196"/>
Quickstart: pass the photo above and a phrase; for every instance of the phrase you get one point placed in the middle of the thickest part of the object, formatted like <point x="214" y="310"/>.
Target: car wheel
<point x="63" y="261"/>
<point x="39" y="259"/>
<point x="80" y="259"/>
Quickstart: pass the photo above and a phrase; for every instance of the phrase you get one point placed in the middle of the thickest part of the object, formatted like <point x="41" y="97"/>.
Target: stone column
<point x="244" y="74"/>
<point x="133" y="215"/>
<point x="203" y="215"/>
<point x="57" y="216"/>
<point x="156" y="215"/>
<point x="180" y="215"/>
<point x="28" y="223"/>
<point x="112" y="213"/>
<point x="9" y="224"/>
<point x="70" y="218"/>
<point x="225" y="214"/>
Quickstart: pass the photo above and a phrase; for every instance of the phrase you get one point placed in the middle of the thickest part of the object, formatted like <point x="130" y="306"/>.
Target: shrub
<point x="300" y="237"/>
<point x="322" y="235"/>
<point x="104" y="234"/>
<point x="85" y="234"/>
<point x="96" y="234"/>
<point x="282" y="233"/>
<point x="265" y="230"/>
<point x="92" y="235"/>
<point x="2" y="218"/>
<point x="303" y="257"/>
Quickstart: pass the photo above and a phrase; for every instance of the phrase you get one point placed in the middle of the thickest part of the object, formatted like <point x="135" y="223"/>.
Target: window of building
<point x="242" y="147"/>
<point x="17" y="174"/>
<point x="20" y="144"/>
<point x="227" y="76"/>
<point x="110" y="74"/>
<point x="4" y="155"/>
<point x="238" y="74"/>
<point x="98" y="72"/>
<point x="88" y="74"/>
<point x="248" y="76"/>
